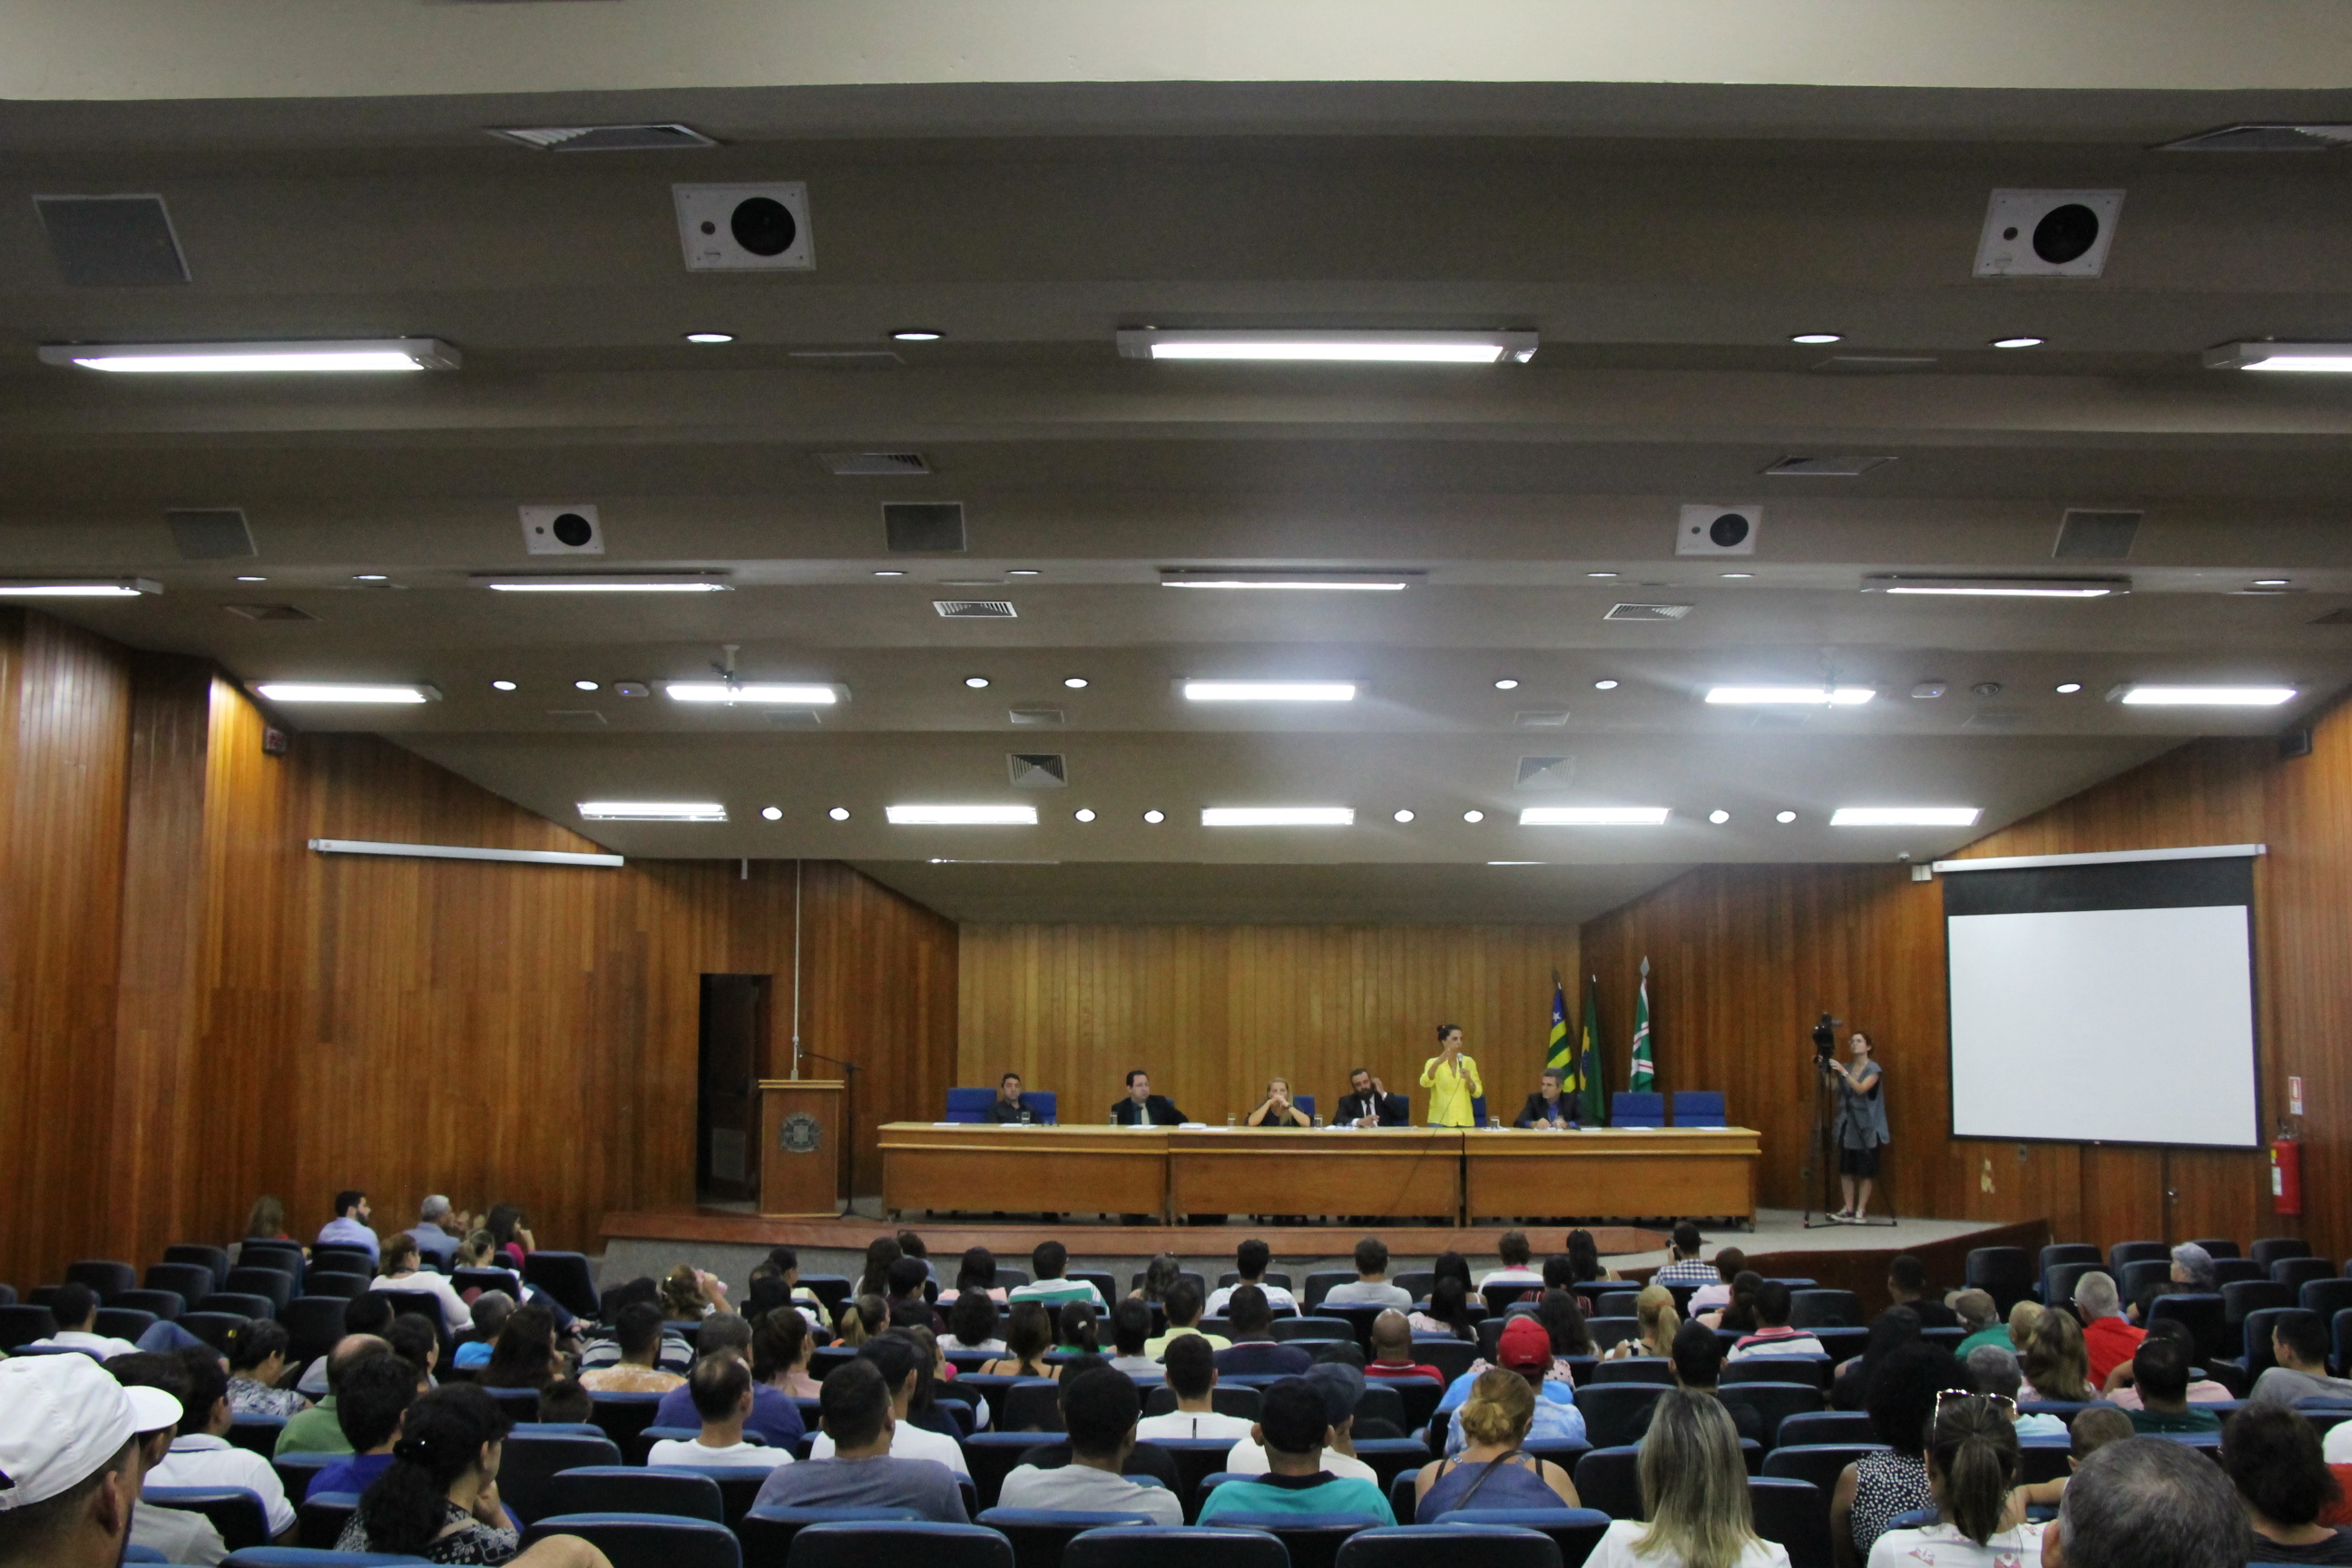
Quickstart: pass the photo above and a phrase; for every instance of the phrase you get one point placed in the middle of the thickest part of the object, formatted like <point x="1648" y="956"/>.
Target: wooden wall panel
<point x="1213" y="1011"/>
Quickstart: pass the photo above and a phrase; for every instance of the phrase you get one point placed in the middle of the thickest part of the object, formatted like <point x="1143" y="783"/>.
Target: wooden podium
<point x="801" y="1146"/>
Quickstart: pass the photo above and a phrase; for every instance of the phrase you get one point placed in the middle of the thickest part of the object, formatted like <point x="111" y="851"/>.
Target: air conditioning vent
<point x="2085" y="535"/>
<point x="577" y="718"/>
<point x="975" y="609"/>
<point x="112" y="242"/>
<point x="605" y="138"/>
<point x="1541" y="719"/>
<point x="1036" y="769"/>
<point x="1826" y="467"/>
<point x="270" y="611"/>
<point x="1646" y="612"/>
<point x="875" y="465"/>
<point x="2263" y="138"/>
<point x="1035" y="715"/>
<point x="209" y="533"/>
<point x="1547" y="773"/>
<point x="923" y="527"/>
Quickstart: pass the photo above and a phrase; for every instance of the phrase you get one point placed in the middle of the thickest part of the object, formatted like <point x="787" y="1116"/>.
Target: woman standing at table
<point x="1452" y="1079"/>
<point x="1275" y="1110"/>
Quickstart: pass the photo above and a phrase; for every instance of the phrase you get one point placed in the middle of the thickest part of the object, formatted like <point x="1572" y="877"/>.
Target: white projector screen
<point x="2108" y="1003"/>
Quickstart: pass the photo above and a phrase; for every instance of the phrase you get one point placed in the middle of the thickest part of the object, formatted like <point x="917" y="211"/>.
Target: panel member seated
<point x="1547" y="1107"/>
<point x="1368" y="1104"/>
<point x="1275" y="1110"/>
<point x="1141" y="1107"/>
<point x="1009" y="1105"/>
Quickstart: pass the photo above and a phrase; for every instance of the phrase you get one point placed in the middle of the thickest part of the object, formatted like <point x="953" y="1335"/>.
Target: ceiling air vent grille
<point x="1036" y="769"/>
<point x="209" y="533"/>
<point x="975" y="609"/>
<point x="112" y="242"/>
<point x="2087" y="535"/>
<point x="577" y="718"/>
<point x="875" y="465"/>
<point x="2263" y="138"/>
<point x="270" y="611"/>
<point x="1547" y="773"/>
<point x="1646" y="612"/>
<point x="1035" y="715"/>
<point x="1841" y="468"/>
<point x="605" y="138"/>
<point x="1541" y="719"/>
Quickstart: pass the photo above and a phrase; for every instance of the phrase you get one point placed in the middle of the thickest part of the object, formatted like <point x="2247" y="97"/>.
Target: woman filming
<point x="1861" y="1125"/>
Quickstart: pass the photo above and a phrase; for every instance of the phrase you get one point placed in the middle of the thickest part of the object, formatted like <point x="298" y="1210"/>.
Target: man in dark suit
<point x="1141" y="1107"/>
<point x="1547" y="1107"/>
<point x="1368" y="1104"/>
<point x="1008" y="1106"/>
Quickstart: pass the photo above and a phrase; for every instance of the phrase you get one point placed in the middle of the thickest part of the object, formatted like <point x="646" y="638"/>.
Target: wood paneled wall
<point x="1743" y="957"/>
<point x="1213" y="1011"/>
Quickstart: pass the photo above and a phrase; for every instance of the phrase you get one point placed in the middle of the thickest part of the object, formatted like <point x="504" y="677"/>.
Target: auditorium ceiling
<point x="1665" y="224"/>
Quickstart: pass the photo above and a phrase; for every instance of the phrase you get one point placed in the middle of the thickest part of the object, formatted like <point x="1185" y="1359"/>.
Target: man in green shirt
<point x="317" y="1430"/>
<point x="1294" y="1425"/>
<point x="1184" y="1306"/>
<point x="1982" y="1323"/>
<point x="2161" y="1373"/>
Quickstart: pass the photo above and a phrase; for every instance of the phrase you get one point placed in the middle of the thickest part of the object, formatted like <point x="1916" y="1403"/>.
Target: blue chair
<point x="163" y="1305"/>
<point x="1305" y="1102"/>
<point x="1390" y="1456"/>
<point x="2294" y="1273"/>
<point x="235" y="1512"/>
<point x="1453" y="1544"/>
<point x="1158" y="1546"/>
<point x="1607" y="1481"/>
<point x="1627" y="1109"/>
<point x="1776" y="1402"/>
<point x="767" y="1532"/>
<point x="104" y="1276"/>
<point x="256" y="1434"/>
<point x="299" y="1557"/>
<point x="2258" y="1358"/>
<point x="993" y="1455"/>
<point x="861" y="1545"/>
<point x="531" y="1464"/>
<point x="239" y="1304"/>
<point x="969" y="1104"/>
<point x="124" y="1323"/>
<point x="342" y="1286"/>
<point x="1794" y="1514"/>
<point x="625" y="1489"/>
<point x="2205" y="1316"/>
<point x="1699" y="1107"/>
<point x="1819" y="1371"/>
<point x="318" y="1522"/>
<point x="1819" y="1463"/>
<point x="296" y="1471"/>
<point x="2325" y="1297"/>
<point x="2269" y="1249"/>
<point x="566" y="1276"/>
<point x="21" y="1325"/>
<point x="2058" y="1280"/>
<point x="2004" y="1273"/>
<point x="142" y="1555"/>
<point x="1575" y="1531"/>
<point x="188" y="1281"/>
<point x="1040" y="1536"/>
<point x="215" y="1259"/>
<point x="2230" y="1270"/>
<point x="738" y="1486"/>
<point x="274" y="1284"/>
<point x="1313" y="1540"/>
<point x="1477" y="1111"/>
<point x="1639" y="1369"/>
<point x="1616" y="1413"/>
<point x="1824" y="1308"/>
<point x="522" y="1406"/>
<point x="1402" y="1500"/>
<point x="622" y="1416"/>
<point x="313" y="1324"/>
<point x="646" y="1540"/>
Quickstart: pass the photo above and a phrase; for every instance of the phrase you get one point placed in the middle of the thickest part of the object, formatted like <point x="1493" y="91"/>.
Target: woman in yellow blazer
<point x="1452" y="1079"/>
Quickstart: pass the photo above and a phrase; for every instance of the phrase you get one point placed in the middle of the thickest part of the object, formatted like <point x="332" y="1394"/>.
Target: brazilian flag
<point x="1587" y="1072"/>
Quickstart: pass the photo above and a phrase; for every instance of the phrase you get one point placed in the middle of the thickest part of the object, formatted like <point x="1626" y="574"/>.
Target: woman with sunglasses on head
<point x="1971" y="1465"/>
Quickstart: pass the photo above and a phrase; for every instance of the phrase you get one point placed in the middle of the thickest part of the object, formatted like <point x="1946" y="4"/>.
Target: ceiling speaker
<point x="209" y="533"/>
<point x="1719" y="529"/>
<point x="923" y="527"/>
<point x="2048" y="233"/>
<point x="562" y="531"/>
<point x="745" y="229"/>
<point x="122" y="242"/>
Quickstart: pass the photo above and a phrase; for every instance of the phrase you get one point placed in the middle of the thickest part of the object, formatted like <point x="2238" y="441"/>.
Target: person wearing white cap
<point x="70" y="1464"/>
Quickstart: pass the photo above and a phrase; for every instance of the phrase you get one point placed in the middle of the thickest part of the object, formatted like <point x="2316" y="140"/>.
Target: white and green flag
<point x="1643" y="1077"/>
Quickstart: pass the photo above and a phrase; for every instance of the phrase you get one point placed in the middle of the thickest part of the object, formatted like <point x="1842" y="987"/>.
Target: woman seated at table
<point x="1275" y="1110"/>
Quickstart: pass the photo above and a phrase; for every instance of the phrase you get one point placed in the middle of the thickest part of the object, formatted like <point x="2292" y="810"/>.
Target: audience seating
<point x="1775" y="1402"/>
<point x="1633" y="1369"/>
<point x="2257" y="1359"/>
<point x="566" y="1276"/>
<point x="321" y="1517"/>
<point x="1630" y="1109"/>
<point x="531" y="1464"/>
<point x="1815" y="1370"/>
<point x="1605" y="1331"/>
<point x="1392" y="1456"/>
<point x="1288" y="1329"/>
<point x="1699" y="1107"/>
<point x="626" y="1489"/>
<point x="1040" y="1536"/>
<point x="163" y="1305"/>
<point x="992" y="1456"/>
<point x="2059" y="1279"/>
<point x="285" y="1256"/>
<point x="1158" y="1546"/>
<point x="2063" y="1252"/>
<point x="2325" y="1297"/>
<point x="214" y="1259"/>
<point x="2232" y="1270"/>
<point x="328" y="1282"/>
<point x="1319" y="1285"/>
<point x="189" y="1281"/>
<point x="1452" y="1357"/>
<point x="1575" y="1531"/>
<point x="2134" y="1278"/>
<point x="313" y="1324"/>
<point x="2243" y="1300"/>
<point x="1032" y="1405"/>
<point x="2294" y="1273"/>
<point x="622" y="1416"/>
<point x="1819" y="1463"/>
<point x="1794" y="1514"/>
<point x="235" y="1512"/>
<point x="296" y="1471"/>
<point x="1415" y="1282"/>
<point x="1606" y="1479"/>
<point x="1824" y="1309"/>
<point x="2005" y="1273"/>
<point x="2204" y="1315"/>
<point x="256" y="1434"/>
<point x="300" y="1557"/>
<point x="21" y="1325"/>
<point x="213" y="1327"/>
<point x="646" y="1540"/>
<point x="2269" y="1249"/>
<point x="2340" y="1330"/>
<point x="1450" y="1546"/>
<point x="123" y="1322"/>
<point x="238" y="1304"/>
<point x="465" y="1280"/>
<point x="106" y="1276"/>
<point x="827" y="1545"/>
<point x="2124" y="1252"/>
<point x="273" y="1285"/>
<point x="767" y="1533"/>
<point x="1313" y="1539"/>
<point x="2217" y="1247"/>
<point x="348" y="1256"/>
<point x="1828" y="1427"/>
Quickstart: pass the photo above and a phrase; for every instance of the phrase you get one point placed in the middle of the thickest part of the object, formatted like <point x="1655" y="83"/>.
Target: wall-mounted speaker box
<point x="745" y="229"/>
<point x="1719" y="529"/>
<point x="2048" y="233"/>
<point x="570" y="529"/>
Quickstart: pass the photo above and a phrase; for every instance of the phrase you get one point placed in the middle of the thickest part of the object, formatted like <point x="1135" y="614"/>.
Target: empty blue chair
<point x="1575" y="1531"/>
<point x="1313" y="1540"/>
<point x="2205" y="1316"/>
<point x="341" y="1286"/>
<point x="1305" y="1102"/>
<point x="970" y="1104"/>
<point x="767" y="1532"/>
<point x="188" y="1281"/>
<point x="1158" y="1546"/>
<point x="2269" y="1249"/>
<point x="1794" y="1514"/>
<point x="2004" y="1273"/>
<point x="106" y="1276"/>
<point x="1390" y="1456"/>
<point x="215" y="1259"/>
<point x="273" y="1285"/>
<point x="1039" y="1536"/>
<point x="164" y="1305"/>
<point x="1699" y="1107"/>
<point x="235" y="1512"/>
<point x="239" y="1304"/>
<point x="1616" y="1413"/>
<point x="1453" y="1544"/>
<point x="318" y="1522"/>
<point x="1628" y="1108"/>
<point x="622" y="1416"/>
<point x="2058" y="1280"/>
<point x="123" y="1322"/>
<point x="1819" y="1463"/>
<point x="861" y="1545"/>
<point x="296" y="1472"/>
<point x="1607" y="1481"/>
<point x="624" y="1489"/>
<point x="256" y="1434"/>
<point x="531" y="1463"/>
<point x="313" y="1324"/>
<point x="2294" y="1273"/>
<point x="566" y="1276"/>
<point x="21" y="1325"/>
<point x="2230" y="1270"/>
<point x="738" y="1486"/>
<point x="646" y="1540"/>
<point x="1775" y="1402"/>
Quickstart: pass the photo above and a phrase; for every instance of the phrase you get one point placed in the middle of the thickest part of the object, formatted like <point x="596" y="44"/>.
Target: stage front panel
<point x="983" y="1168"/>
<point x="1611" y="1172"/>
<point x="1401" y="1171"/>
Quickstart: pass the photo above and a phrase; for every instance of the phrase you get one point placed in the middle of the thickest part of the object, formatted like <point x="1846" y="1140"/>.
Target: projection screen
<point x="2103" y="998"/>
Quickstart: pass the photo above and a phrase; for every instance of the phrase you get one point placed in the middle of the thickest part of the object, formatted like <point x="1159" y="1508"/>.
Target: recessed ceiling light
<point x="584" y="686"/>
<point x="1356" y="347"/>
<point x="1904" y="817"/>
<point x="235" y="358"/>
<point x="1269" y="691"/>
<point x="1075" y="682"/>
<point x="1784" y="816"/>
<point x="369" y="577"/>
<point x="1601" y="573"/>
<point x="1514" y="862"/>
<point x="119" y="588"/>
<point x="889" y="572"/>
<point x="502" y="685"/>
<point x="839" y="814"/>
<point x="319" y="691"/>
<point x="1023" y="572"/>
<point x="1999" y="587"/>
<point x="977" y="682"/>
<point x="916" y="335"/>
<point x="961" y="816"/>
<point x="1791" y="695"/>
<point x="252" y="579"/>
<point x="710" y="337"/>
<point x="1155" y="816"/>
<point x="2203" y="696"/>
<point x="1592" y="817"/>
<point x="2068" y="688"/>
<point x="1403" y="816"/>
<point x="772" y="812"/>
<point x="1737" y="576"/>
<point x="652" y="810"/>
<point x="2271" y="582"/>
<point x="1812" y="338"/>
<point x="799" y="696"/>
<point x="1083" y="814"/>
<point x="1718" y="816"/>
<point x="2324" y="359"/>
<point x="1287" y="582"/>
<point x="1506" y="684"/>
<point x="1473" y="816"/>
<point x="2017" y="343"/>
<point x="1604" y="686"/>
<point x="607" y="583"/>
<point x="1277" y="817"/>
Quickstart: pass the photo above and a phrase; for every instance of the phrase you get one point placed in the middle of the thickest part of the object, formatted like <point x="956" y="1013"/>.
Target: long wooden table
<point x="1391" y="1173"/>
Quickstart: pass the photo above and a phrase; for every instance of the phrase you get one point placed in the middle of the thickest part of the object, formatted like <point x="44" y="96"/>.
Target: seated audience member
<point x="782" y="1345"/>
<point x="873" y="1276"/>
<point x="2193" y="1270"/>
<point x="414" y="1339"/>
<point x="202" y="1455"/>
<point x="439" y="1230"/>
<point x="1081" y="1330"/>
<point x="1907" y="1285"/>
<point x="1979" y="1323"/>
<point x="2161" y="1373"/>
<point x="525" y="1354"/>
<point x="1448" y="1314"/>
<point x="155" y="1385"/>
<point x="638" y="1332"/>
<point x="399" y="1272"/>
<point x="774" y="1419"/>
<point x="1488" y="1470"/>
<point x="977" y="1272"/>
<point x="1250" y="1259"/>
<point x="1515" y="1255"/>
<point x="439" y="1499"/>
<point x="1028" y="1339"/>
<point x="1698" y="1366"/>
<point x="2057" y="1367"/>
<point x="1393" y="1350"/>
<point x="2107" y="1340"/>
<point x="491" y="1309"/>
<point x="1047" y="1262"/>
<point x="971" y="1324"/>
<point x="1276" y="1110"/>
<point x="1130" y="1331"/>
<point x="264" y="1220"/>
<point x="2274" y="1458"/>
<point x="75" y="1308"/>
<point x="2093" y="1429"/>
<point x="1715" y="1294"/>
<point x="1683" y="1266"/>
<point x="1183" y="1310"/>
<point x="1584" y="1255"/>
<point x="906" y="1371"/>
<point x="1100" y="1408"/>
<point x="1994" y="1372"/>
<point x="1737" y="1313"/>
<point x="2023" y="1317"/>
<point x="859" y="1465"/>
<point x="1694" y="1491"/>
<point x="924" y="1410"/>
<point x="317" y="1430"/>
<point x="476" y="1251"/>
<point x="1656" y="1324"/>
<point x="1008" y="1106"/>
<point x="1773" y="1336"/>
<point x="910" y="1288"/>
<point x="910" y="1245"/>
<point x="510" y="1239"/>
<point x="2148" y="1502"/>
<point x="565" y="1403"/>
<point x="1370" y="1286"/>
<point x="1253" y="1349"/>
<point x="1903" y="1392"/>
<point x="2299" y="1342"/>
<point x="1892" y="1329"/>
<point x="1159" y="1276"/>
<point x="1292" y="1434"/>
<point x="722" y="1393"/>
<point x="688" y="1294"/>
<point x="1972" y="1465"/>
<point x="787" y="1264"/>
<point x="350" y="1225"/>
<point x="376" y="1394"/>
<point x="672" y="1354"/>
<point x="1525" y="1351"/>
<point x="1192" y="1368"/>
<point x="860" y="1319"/>
<point x="1342" y="1389"/>
<point x="72" y="1437"/>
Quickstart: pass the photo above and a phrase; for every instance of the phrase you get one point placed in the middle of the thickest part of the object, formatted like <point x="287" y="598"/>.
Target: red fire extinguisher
<point x="2286" y="1172"/>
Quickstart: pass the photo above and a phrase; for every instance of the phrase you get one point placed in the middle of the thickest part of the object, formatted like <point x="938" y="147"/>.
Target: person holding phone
<point x="1452" y="1078"/>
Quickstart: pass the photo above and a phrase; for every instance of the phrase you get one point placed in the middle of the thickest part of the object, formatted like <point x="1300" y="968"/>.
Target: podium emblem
<point x="800" y="1133"/>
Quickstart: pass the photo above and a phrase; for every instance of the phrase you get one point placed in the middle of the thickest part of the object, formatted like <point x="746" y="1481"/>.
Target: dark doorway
<point x="727" y="1102"/>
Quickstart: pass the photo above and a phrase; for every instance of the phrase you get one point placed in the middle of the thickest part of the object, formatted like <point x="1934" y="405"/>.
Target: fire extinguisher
<point x="2286" y="1172"/>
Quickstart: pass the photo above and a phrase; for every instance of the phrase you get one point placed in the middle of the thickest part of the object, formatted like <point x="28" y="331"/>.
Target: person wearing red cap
<point x="71" y="1461"/>
<point x="1526" y="1348"/>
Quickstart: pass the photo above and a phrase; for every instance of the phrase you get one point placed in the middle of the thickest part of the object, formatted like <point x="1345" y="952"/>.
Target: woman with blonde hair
<point x="1655" y="1325"/>
<point x="1694" y="1489"/>
<point x="2056" y="1364"/>
<point x="1492" y="1471"/>
<point x="690" y="1294"/>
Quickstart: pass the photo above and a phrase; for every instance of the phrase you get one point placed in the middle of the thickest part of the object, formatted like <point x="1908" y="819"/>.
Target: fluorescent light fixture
<point x="1593" y="817"/>
<point x="961" y="816"/>
<point x="2202" y="696"/>
<point x="916" y="335"/>
<point x="652" y="810"/>
<point x="69" y="588"/>
<point x="1288" y="581"/>
<point x="722" y="691"/>
<point x="1904" y="817"/>
<point x="1793" y="696"/>
<point x="607" y="583"/>
<point x="1347" y="347"/>
<point x="710" y="337"/>
<point x="1999" y="587"/>
<point x="2321" y="359"/>
<point x="236" y="358"/>
<point x="317" y="691"/>
<point x="1269" y="690"/>
<point x="1277" y="817"/>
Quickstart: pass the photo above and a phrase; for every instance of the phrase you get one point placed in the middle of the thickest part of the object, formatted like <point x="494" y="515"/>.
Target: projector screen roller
<point x="2105" y="1003"/>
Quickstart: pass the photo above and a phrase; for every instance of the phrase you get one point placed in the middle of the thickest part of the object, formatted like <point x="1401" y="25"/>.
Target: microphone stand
<point x="849" y="1119"/>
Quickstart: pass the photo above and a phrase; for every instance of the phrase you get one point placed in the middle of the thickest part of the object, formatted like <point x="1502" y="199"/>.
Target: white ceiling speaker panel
<point x="745" y="229"/>
<point x="2048" y="233"/>
<point x="1719" y="529"/>
<point x="562" y="531"/>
